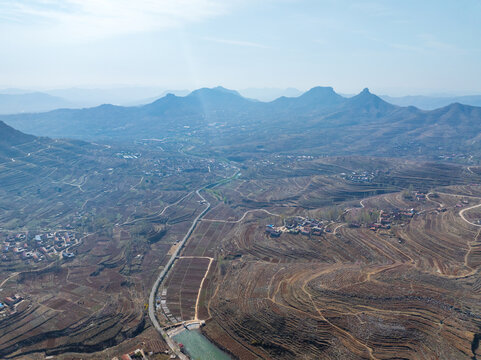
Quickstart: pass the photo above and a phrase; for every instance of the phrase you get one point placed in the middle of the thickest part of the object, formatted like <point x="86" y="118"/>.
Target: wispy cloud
<point x="431" y="42"/>
<point x="423" y="43"/>
<point x="236" y="42"/>
<point x="109" y="17"/>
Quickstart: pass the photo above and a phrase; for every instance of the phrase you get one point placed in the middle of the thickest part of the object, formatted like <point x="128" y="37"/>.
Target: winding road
<point x="242" y="218"/>
<point x="461" y="213"/>
<point x="151" y="217"/>
<point x="8" y="278"/>
<point x="173" y="346"/>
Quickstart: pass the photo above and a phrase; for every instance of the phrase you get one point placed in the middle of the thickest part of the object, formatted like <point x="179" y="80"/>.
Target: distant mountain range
<point x="269" y="94"/>
<point x="320" y="121"/>
<point x="432" y="102"/>
<point x="126" y="96"/>
<point x="167" y="114"/>
<point x="14" y="101"/>
<point x="31" y="102"/>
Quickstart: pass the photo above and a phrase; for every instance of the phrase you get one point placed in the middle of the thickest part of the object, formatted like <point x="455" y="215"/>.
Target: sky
<point x="393" y="47"/>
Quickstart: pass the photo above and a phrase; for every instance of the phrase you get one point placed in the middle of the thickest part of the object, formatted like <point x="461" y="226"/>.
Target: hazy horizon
<point x="162" y="90"/>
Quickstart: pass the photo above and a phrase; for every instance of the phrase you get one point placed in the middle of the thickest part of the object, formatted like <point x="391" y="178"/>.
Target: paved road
<point x="173" y="346"/>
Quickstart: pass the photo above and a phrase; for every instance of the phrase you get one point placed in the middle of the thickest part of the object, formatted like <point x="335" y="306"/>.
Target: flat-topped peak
<point x="212" y="91"/>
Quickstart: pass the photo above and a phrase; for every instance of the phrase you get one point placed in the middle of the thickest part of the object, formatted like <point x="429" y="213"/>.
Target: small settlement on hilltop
<point x="380" y="219"/>
<point x="296" y="225"/>
<point x="34" y="248"/>
<point x="360" y="176"/>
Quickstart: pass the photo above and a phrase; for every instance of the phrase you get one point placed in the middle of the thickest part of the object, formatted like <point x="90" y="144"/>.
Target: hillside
<point x="320" y="121"/>
<point x="9" y="138"/>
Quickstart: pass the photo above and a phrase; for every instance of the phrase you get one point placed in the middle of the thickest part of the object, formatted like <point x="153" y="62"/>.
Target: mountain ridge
<point x="222" y="118"/>
<point x="432" y="102"/>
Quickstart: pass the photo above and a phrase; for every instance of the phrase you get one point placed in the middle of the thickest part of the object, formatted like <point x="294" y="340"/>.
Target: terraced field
<point x="128" y="219"/>
<point x="183" y="286"/>
<point x="409" y="292"/>
<point x="63" y="301"/>
<point x="98" y="300"/>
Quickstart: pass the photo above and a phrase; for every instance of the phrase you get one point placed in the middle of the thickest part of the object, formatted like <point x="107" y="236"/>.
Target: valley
<point x="112" y="246"/>
<point x="240" y="180"/>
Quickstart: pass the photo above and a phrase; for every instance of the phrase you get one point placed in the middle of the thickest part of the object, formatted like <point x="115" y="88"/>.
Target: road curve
<point x="173" y="346"/>
<point x="461" y="213"/>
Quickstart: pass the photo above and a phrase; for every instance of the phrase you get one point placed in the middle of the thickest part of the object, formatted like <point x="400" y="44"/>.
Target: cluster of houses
<point x="175" y="165"/>
<point x="128" y="155"/>
<point x="416" y="195"/>
<point x="298" y="225"/>
<point x="386" y="218"/>
<point x="8" y="304"/>
<point x="38" y="247"/>
<point x="359" y="177"/>
<point x="462" y="203"/>
<point x="455" y="156"/>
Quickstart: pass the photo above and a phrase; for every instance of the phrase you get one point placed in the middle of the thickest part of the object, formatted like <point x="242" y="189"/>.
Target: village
<point x="360" y="177"/>
<point x="374" y="221"/>
<point x="173" y="166"/>
<point x="168" y="166"/>
<point x="9" y="304"/>
<point x="299" y="224"/>
<point x="37" y="247"/>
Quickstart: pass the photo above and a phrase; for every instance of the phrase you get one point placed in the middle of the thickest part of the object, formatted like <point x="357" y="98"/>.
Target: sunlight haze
<point x="391" y="47"/>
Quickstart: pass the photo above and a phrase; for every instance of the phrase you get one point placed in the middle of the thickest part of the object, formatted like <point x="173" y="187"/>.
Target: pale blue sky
<point x="395" y="47"/>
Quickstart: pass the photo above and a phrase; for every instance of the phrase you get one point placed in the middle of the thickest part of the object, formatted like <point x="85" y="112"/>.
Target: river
<point x="198" y="347"/>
